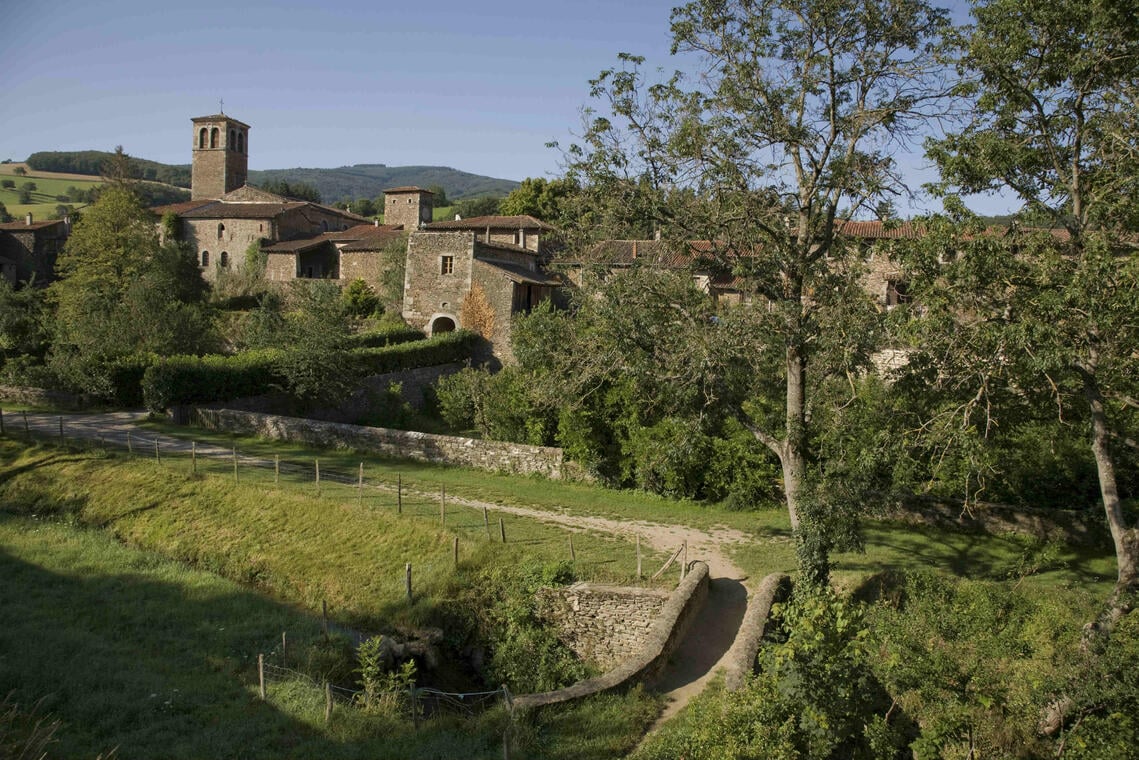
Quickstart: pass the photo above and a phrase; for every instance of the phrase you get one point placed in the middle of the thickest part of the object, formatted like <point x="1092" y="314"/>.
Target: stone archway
<point x="442" y="324"/>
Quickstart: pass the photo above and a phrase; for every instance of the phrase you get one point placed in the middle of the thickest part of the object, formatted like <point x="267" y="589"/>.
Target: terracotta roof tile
<point x="494" y="222"/>
<point x="23" y="226"/>
<point x="522" y="275"/>
<point x="407" y="189"/>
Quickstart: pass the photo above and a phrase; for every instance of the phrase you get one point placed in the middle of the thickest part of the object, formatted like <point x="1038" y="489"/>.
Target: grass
<point x="48" y="186"/>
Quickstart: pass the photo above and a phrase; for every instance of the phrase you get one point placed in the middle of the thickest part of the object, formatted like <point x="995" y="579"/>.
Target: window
<point x="202" y="138"/>
<point x="240" y="142"/>
<point x="221" y="231"/>
<point x="896" y="292"/>
<point x="447" y="265"/>
<point x="223" y="260"/>
<point x="205" y="258"/>
<point x="214" y="137"/>
<point x="232" y="139"/>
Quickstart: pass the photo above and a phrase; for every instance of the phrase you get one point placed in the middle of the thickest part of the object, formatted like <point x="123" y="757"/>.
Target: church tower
<point x="221" y="156"/>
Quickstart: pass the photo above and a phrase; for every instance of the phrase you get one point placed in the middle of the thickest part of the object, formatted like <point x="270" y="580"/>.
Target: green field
<point x="48" y="186"/>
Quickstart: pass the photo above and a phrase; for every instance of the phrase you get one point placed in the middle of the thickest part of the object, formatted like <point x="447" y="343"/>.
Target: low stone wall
<point x="741" y="659"/>
<point x="603" y="625"/>
<point x="469" y="452"/>
<point x="660" y="642"/>
<point x="44" y="397"/>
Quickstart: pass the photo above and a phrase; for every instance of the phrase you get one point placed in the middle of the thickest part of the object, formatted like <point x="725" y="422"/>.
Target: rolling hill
<point x="345" y="182"/>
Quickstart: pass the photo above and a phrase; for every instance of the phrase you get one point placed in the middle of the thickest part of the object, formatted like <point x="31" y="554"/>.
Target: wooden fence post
<point x="399" y="493"/>
<point x="573" y="554"/>
<point x="360" y="486"/>
<point x="317" y="476"/>
<point x="194" y="457"/>
<point x="456" y="552"/>
<point x="1" y="422"/>
<point x="502" y="529"/>
<point x="407" y="581"/>
<point x="234" y="464"/>
<point x="261" y="674"/>
<point x="414" y="704"/>
<point x="638" y="556"/>
<point x="276" y="469"/>
<point x="486" y="521"/>
<point x="283" y="648"/>
<point x="61" y="430"/>
<point x="684" y="563"/>
<point x="130" y="444"/>
<point x="327" y="703"/>
<point x="157" y="456"/>
<point x="324" y="617"/>
<point x="443" y="507"/>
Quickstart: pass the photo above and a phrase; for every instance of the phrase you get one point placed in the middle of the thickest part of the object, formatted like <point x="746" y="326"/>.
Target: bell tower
<point x="221" y="156"/>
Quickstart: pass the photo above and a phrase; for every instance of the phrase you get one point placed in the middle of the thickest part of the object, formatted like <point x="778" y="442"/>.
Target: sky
<point x="478" y="86"/>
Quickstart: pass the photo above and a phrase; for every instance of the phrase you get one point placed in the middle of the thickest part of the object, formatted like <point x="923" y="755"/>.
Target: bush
<point x="360" y="299"/>
<point x="179" y="380"/>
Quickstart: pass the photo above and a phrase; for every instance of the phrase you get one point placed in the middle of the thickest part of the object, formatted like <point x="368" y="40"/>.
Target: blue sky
<point x="478" y="86"/>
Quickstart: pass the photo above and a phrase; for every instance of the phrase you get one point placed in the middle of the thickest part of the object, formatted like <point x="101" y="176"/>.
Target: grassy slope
<point x="48" y="185"/>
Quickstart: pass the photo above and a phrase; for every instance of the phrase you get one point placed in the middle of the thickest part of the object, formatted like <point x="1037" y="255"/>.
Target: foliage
<point x="482" y="206"/>
<point x="4" y="215"/>
<point x="121" y="293"/>
<point x="24" y="331"/>
<point x="540" y="198"/>
<point x="476" y="312"/>
<point x="92" y="162"/>
<point x="360" y="300"/>
<point x="384" y="689"/>
<point x="296" y="190"/>
<point x="391" y="262"/>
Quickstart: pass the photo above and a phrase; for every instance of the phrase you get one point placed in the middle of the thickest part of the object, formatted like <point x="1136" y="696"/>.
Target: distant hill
<point x="346" y="182"/>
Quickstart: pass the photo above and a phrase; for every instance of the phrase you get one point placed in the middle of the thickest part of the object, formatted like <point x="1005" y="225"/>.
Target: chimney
<point x="28" y="219"/>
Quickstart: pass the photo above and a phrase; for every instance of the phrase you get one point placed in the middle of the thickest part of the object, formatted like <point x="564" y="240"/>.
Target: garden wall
<point x="494" y="456"/>
<point x="662" y="639"/>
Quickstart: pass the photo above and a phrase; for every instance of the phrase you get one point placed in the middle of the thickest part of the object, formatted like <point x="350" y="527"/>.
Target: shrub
<point x="178" y="380"/>
<point x="360" y="299"/>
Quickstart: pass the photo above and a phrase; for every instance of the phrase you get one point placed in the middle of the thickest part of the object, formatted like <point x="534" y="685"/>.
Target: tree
<point x="4" y="215"/>
<point x="8" y="184"/>
<point x="484" y="206"/>
<point x="795" y="121"/>
<point x="1053" y="121"/>
<point x="440" y="198"/>
<point x="120" y="292"/>
<point x="21" y="171"/>
<point x="301" y="191"/>
<point x="316" y="365"/>
<point x="540" y="198"/>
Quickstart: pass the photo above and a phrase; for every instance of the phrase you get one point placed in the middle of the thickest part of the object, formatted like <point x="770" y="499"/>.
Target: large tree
<point x="792" y="124"/>
<point x="1055" y="86"/>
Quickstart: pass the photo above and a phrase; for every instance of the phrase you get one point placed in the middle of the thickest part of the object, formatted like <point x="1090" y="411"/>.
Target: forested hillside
<point x="345" y="182"/>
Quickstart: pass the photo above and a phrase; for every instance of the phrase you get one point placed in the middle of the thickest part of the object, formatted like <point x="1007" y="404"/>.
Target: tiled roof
<point x="407" y="189"/>
<point x="494" y="222"/>
<point x="297" y="246"/>
<point x="877" y="230"/>
<point x="522" y="275"/>
<point x="217" y="117"/>
<point x="657" y="252"/>
<point x="23" y="226"/>
<point x="179" y="208"/>
<point x="379" y="237"/>
<point x="223" y="210"/>
<point x="492" y="247"/>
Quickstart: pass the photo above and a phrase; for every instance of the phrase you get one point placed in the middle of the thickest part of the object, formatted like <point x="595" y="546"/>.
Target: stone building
<point x="521" y="231"/>
<point x="220" y="156"/>
<point x="28" y="249"/>
<point x="454" y="280"/>
<point x="408" y="208"/>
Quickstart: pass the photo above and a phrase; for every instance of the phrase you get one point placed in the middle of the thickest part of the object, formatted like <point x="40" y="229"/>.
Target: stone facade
<point x="28" y="249"/>
<point x="408" y="207"/>
<point x="520" y="231"/>
<point x="220" y="156"/>
<point x="442" y="269"/>
<point x="494" y="456"/>
<point x="603" y="625"/>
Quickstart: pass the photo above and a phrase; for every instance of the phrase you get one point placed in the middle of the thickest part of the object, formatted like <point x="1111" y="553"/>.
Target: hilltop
<point x="345" y="182"/>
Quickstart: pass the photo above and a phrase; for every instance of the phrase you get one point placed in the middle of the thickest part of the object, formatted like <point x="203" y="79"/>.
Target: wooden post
<point x="234" y="464"/>
<point x="283" y="648"/>
<point x="61" y="430"/>
<point x="360" y="486"/>
<point x="157" y="456"/>
<point x="261" y="674"/>
<point x="502" y="529"/>
<point x="412" y="701"/>
<point x="486" y="520"/>
<point x="28" y="430"/>
<point x="276" y="469"/>
<point x="638" y="556"/>
<point x="443" y="506"/>
<point x="324" y="617"/>
<point x="407" y="581"/>
<point x="684" y="563"/>
<point x="327" y="703"/>
<point x="399" y="493"/>
<point x="456" y="552"/>
<point x="317" y="476"/>
<point x="130" y="444"/>
<point x="1" y="422"/>
<point x="194" y="457"/>
<point x="573" y="554"/>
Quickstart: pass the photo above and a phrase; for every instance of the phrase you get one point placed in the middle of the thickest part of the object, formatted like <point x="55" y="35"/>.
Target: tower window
<point x="221" y="231"/>
<point x="202" y="138"/>
<point x="232" y="144"/>
<point x="205" y="258"/>
<point x="447" y="265"/>
<point x="223" y="260"/>
<point x="214" y="137"/>
<point x="240" y="142"/>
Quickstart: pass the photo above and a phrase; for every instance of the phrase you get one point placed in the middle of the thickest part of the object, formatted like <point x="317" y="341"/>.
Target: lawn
<point x="48" y="186"/>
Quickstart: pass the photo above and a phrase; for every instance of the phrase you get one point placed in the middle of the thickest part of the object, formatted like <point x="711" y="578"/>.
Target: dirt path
<point x="710" y="636"/>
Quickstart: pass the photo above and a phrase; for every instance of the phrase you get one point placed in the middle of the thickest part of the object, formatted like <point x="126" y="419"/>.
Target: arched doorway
<point x="442" y="325"/>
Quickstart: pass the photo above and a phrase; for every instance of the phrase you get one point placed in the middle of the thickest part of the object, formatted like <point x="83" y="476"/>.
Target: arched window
<point x="324" y="225"/>
<point x="240" y="142"/>
<point x="442" y="325"/>
<point x="202" y="138"/>
<point x="221" y="231"/>
<point x="232" y="144"/>
<point x="205" y="258"/>
<point x="214" y="137"/>
<point x="223" y="260"/>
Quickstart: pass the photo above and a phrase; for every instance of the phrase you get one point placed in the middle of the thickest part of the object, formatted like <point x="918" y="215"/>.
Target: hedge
<point x="182" y="380"/>
<point x="385" y="337"/>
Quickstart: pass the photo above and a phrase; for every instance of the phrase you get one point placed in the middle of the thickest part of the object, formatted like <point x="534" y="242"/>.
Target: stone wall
<point x="494" y="456"/>
<point x="603" y="625"/>
<point x="235" y="238"/>
<point x="660" y="642"/>
<point x="427" y="292"/>
<point x="741" y="659"/>
<point x="44" y="397"/>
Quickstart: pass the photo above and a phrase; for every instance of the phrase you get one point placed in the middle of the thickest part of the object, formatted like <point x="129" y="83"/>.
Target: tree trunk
<point x="1126" y="539"/>
<point x="792" y="458"/>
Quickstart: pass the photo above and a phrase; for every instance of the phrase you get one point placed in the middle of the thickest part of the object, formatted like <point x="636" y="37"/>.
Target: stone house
<point x="521" y="231"/>
<point x="28" y="249"/>
<point x="452" y="279"/>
